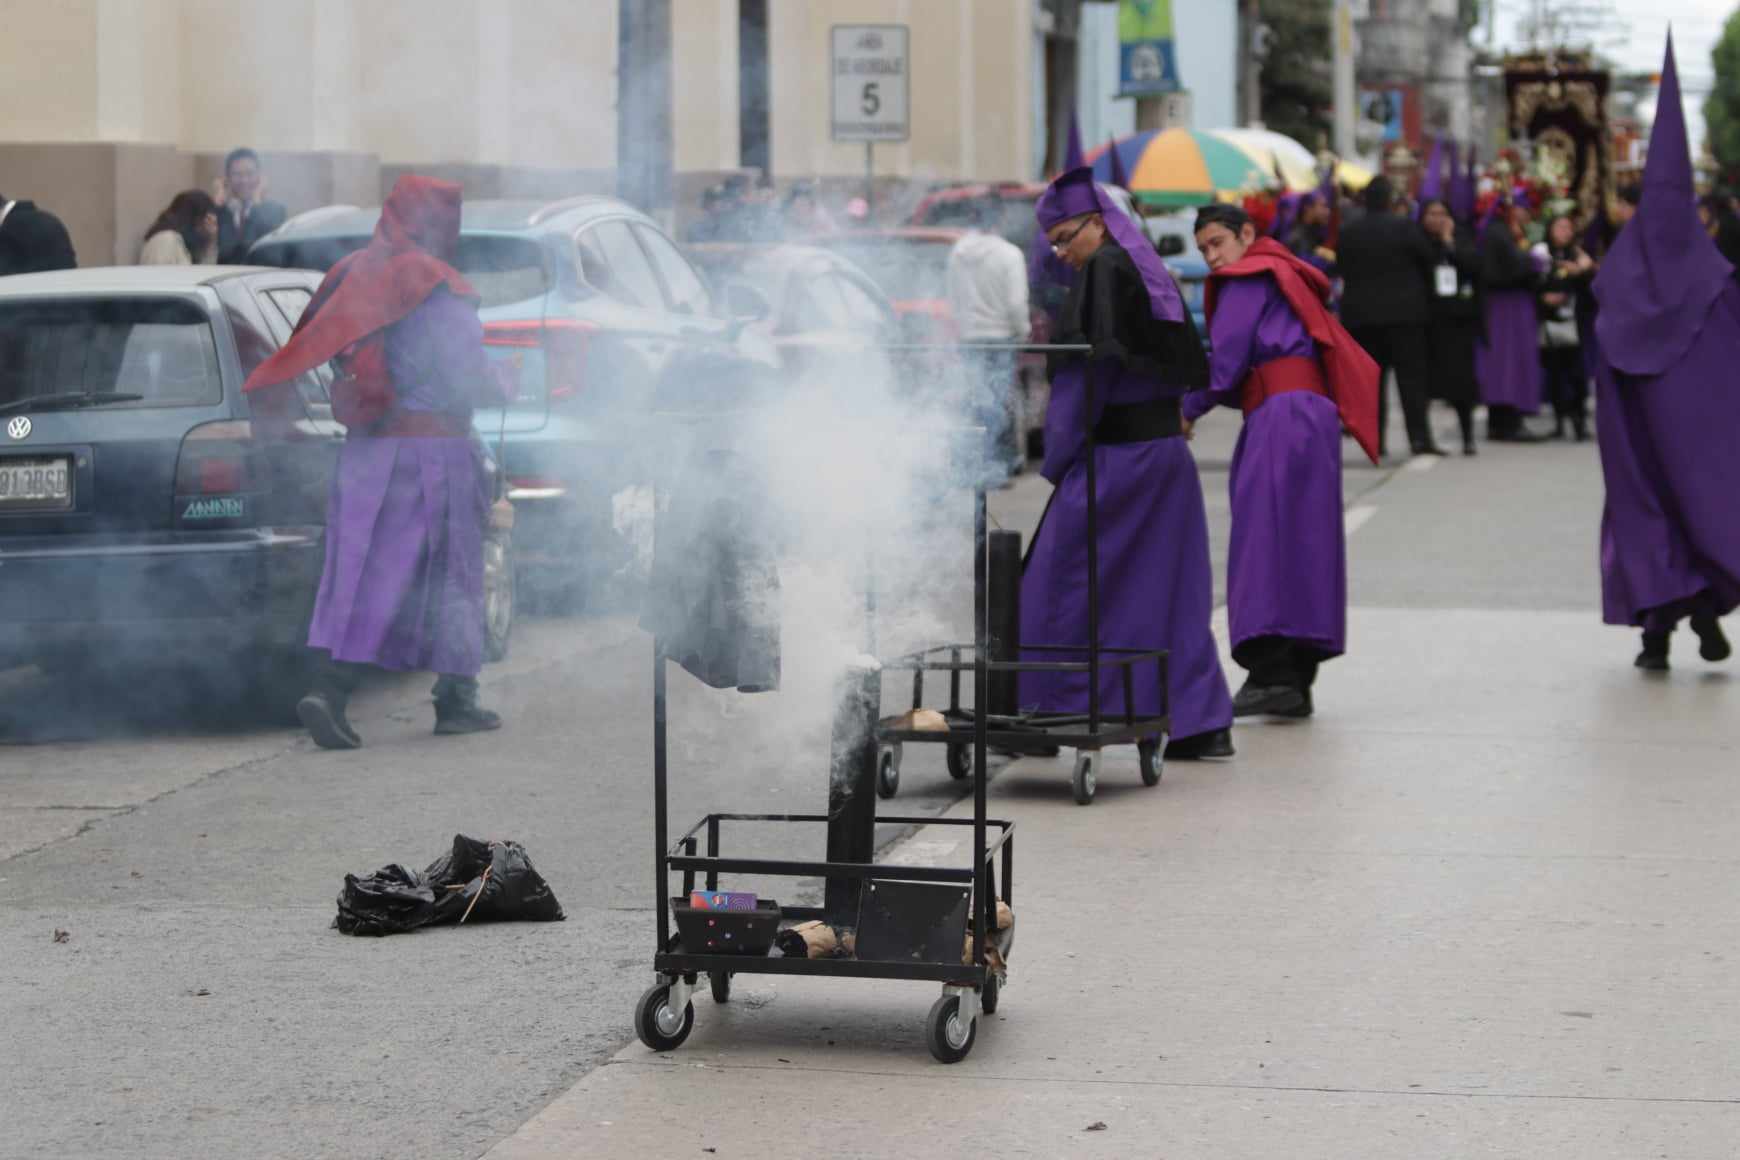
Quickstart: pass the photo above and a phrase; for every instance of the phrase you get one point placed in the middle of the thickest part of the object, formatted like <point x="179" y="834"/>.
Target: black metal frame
<point x="682" y="855"/>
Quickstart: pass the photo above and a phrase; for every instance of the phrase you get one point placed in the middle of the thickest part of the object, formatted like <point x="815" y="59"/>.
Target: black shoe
<point x="325" y="721"/>
<point x="1469" y="449"/>
<point x="1654" y="657"/>
<point x="1215" y="743"/>
<point x="1430" y="449"/>
<point x="1580" y="428"/>
<point x="1523" y="435"/>
<point x="1712" y="642"/>
<point x="457" y="710"/>
<point x="1271" y="701"/>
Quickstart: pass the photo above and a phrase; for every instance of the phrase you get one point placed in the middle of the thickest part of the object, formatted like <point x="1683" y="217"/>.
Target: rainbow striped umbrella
<point x="1181" y="167"/>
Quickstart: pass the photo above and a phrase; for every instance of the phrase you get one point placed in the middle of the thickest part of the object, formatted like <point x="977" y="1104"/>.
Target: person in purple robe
<point x="1668" y="409"/>
<point x="1155" y="584"/>
<point x="1507" y="359"/>
<point x="1281" y="358"/>
<point x="403" y="584"/>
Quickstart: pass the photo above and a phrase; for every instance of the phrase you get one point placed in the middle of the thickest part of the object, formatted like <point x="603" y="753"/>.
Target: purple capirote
<point x="1075" y="193"/>
<point x="1287" y="559"/>
<point x="1156" y="583"/>
<point x="1669" y="403"/>
<point x="403" y="582"/>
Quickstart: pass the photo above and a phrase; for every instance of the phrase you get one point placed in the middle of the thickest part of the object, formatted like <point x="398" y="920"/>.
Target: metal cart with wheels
<point x="1088" y="734"/>
<point x="934" y="924"/>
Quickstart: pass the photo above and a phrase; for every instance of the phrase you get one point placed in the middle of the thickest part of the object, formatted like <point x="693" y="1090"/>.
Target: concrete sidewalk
<point x="1482" y="905"/>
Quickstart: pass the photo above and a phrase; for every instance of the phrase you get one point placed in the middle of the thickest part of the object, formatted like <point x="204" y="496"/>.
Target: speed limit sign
<point x="871" y="82"/>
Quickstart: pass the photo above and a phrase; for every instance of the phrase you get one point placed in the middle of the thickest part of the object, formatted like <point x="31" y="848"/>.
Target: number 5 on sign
<point x="872" y="89"/>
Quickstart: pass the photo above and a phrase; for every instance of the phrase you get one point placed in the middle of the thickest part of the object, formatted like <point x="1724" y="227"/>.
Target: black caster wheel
<point x="888" y="773"/>
<point x="989" y="994"/>
<point x="960" y="760"/>
<point x="1153" y="757"/>
<point x="1086" y="777"/>
<point x="948" y="1036"/>
<point x="658" y="1026"/>
<point x="721" y="981"/>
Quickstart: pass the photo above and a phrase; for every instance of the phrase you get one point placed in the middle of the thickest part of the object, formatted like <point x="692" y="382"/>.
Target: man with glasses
<point x="1155" y="586"/>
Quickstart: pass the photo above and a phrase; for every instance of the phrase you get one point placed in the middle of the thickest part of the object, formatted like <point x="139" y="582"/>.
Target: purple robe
<point x="1507" y="359"/>
<point x="1156" y="586"/>
<point x="1668" y="528"/>
<point x="403" y="583"/>
<point x="1287" y="561"/>
<point x="1669" y="331"/>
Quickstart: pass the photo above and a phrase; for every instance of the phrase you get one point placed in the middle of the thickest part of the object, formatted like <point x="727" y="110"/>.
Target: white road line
<point x="1422" y="463"/>
<point x="1355" y="517"/>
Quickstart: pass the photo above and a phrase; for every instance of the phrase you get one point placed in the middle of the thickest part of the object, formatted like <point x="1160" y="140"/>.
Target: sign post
<point x="872" y="89"/>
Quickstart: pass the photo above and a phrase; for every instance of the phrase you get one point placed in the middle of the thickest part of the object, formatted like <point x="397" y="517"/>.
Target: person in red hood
<point x="1281" y="357"/>
<point x="403" y="583"/>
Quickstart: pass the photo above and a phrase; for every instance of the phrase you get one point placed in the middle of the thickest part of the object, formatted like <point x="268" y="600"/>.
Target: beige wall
<point x="971" y="86"/>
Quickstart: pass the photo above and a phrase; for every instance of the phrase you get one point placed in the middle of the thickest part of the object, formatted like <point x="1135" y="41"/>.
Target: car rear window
<point x="161" y="348"/>
<point x="500" y="269"/>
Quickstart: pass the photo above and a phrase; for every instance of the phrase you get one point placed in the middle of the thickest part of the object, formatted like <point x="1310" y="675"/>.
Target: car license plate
<point x="35" y="482"/>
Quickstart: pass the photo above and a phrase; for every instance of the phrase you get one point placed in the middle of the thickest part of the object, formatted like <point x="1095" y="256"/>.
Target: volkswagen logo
<point x="19" y="427"/>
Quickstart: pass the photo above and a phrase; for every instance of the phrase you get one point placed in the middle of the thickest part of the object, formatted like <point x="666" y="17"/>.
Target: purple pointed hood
<point x="1120" y="178"/>
<point x="1432" y="185"/>
<point x="1663" y="273"/>
<point x="1075" y="193"/>
<point x="1460" y="195"/>
<point x="1072" y="155"/>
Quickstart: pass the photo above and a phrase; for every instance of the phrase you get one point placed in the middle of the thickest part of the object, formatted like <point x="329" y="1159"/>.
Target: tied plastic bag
<point x="474" y="882"/>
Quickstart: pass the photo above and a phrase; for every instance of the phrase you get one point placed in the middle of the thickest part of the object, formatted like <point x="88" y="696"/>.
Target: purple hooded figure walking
<point x="1668" y="403"/>
<point x="1156" y="587"/>
<point x="403" y="584"/>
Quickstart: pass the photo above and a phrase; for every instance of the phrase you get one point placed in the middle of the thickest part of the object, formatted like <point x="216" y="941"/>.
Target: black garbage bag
<point x="474" y="882"/>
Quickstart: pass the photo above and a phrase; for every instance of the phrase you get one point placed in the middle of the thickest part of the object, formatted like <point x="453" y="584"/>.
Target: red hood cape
<point x="1353" y="376"/>
<point x="368" y="291"/>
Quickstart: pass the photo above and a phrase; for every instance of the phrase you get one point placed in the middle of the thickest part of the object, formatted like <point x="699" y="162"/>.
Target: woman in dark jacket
<point x="1455" y="322"/>
<point x="1569" y="271"/>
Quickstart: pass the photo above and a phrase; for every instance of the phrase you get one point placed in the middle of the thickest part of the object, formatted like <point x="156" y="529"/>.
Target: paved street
<point x="1479" y="905"/>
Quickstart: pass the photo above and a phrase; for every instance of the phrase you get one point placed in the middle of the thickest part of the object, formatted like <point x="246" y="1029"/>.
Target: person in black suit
<point x="32" y="239"/>
<point x="1387" y="264"/>
<point x="246" y="216"/>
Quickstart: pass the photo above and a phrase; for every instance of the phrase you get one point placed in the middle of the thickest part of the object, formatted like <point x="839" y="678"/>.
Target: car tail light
<point x="531" y="487"/>
<point x="216" y="459"/>
<point x="215" y="473"/>
<point x="564" y="342"/>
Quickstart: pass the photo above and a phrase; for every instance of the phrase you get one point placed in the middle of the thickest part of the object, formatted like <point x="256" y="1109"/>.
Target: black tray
<point x="727" y="932"/>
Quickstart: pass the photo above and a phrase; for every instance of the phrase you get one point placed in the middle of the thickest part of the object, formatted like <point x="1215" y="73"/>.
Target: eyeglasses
<point x="1059" y="245"/>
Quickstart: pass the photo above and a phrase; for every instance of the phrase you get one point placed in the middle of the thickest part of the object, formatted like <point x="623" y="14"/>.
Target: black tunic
<point x="1108" y="309"/>
<point x="1456" y="323"/>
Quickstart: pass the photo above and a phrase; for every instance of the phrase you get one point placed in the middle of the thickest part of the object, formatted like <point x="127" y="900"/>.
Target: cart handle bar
<point x="695" y="832"/>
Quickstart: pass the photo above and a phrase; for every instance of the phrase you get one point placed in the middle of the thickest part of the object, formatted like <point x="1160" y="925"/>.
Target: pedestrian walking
<point x="1669" y="409"/>
<point x="1507" y="359"/>
<point x="184" y="234"/>
<point x="1281" y="357"/>
<point x="403" y="584"/>
<point x="1455" y="326"/>
<point x="32" y="240"/>
<point x="1386" y="268"/>
<point x="1155" y="587"/>
<point x="1569" y="272"/>
<point x="247" y="215"/>
<point x="987" y="289"/>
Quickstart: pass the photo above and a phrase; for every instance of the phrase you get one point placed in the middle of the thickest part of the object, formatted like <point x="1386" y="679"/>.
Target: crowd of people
<point x="1487" y="303"/>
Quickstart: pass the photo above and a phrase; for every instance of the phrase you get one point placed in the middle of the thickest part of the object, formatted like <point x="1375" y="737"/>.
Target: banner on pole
<point x="1147" y="58"/>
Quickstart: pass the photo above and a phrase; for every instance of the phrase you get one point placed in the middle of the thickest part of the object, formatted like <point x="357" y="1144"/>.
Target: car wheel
<point x="498" y="594"/>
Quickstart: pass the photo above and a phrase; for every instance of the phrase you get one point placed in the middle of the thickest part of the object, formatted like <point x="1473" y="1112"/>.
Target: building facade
<point x="108" y="107"/>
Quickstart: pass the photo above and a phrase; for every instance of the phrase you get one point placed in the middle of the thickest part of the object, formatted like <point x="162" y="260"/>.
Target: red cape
<point x="368" y="291"/>
<point x="1353" y="377"/>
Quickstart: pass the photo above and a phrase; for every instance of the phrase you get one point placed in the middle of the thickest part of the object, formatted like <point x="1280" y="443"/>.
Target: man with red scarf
<point x="1281" y="357"/>
<point x="403" y="583"/>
